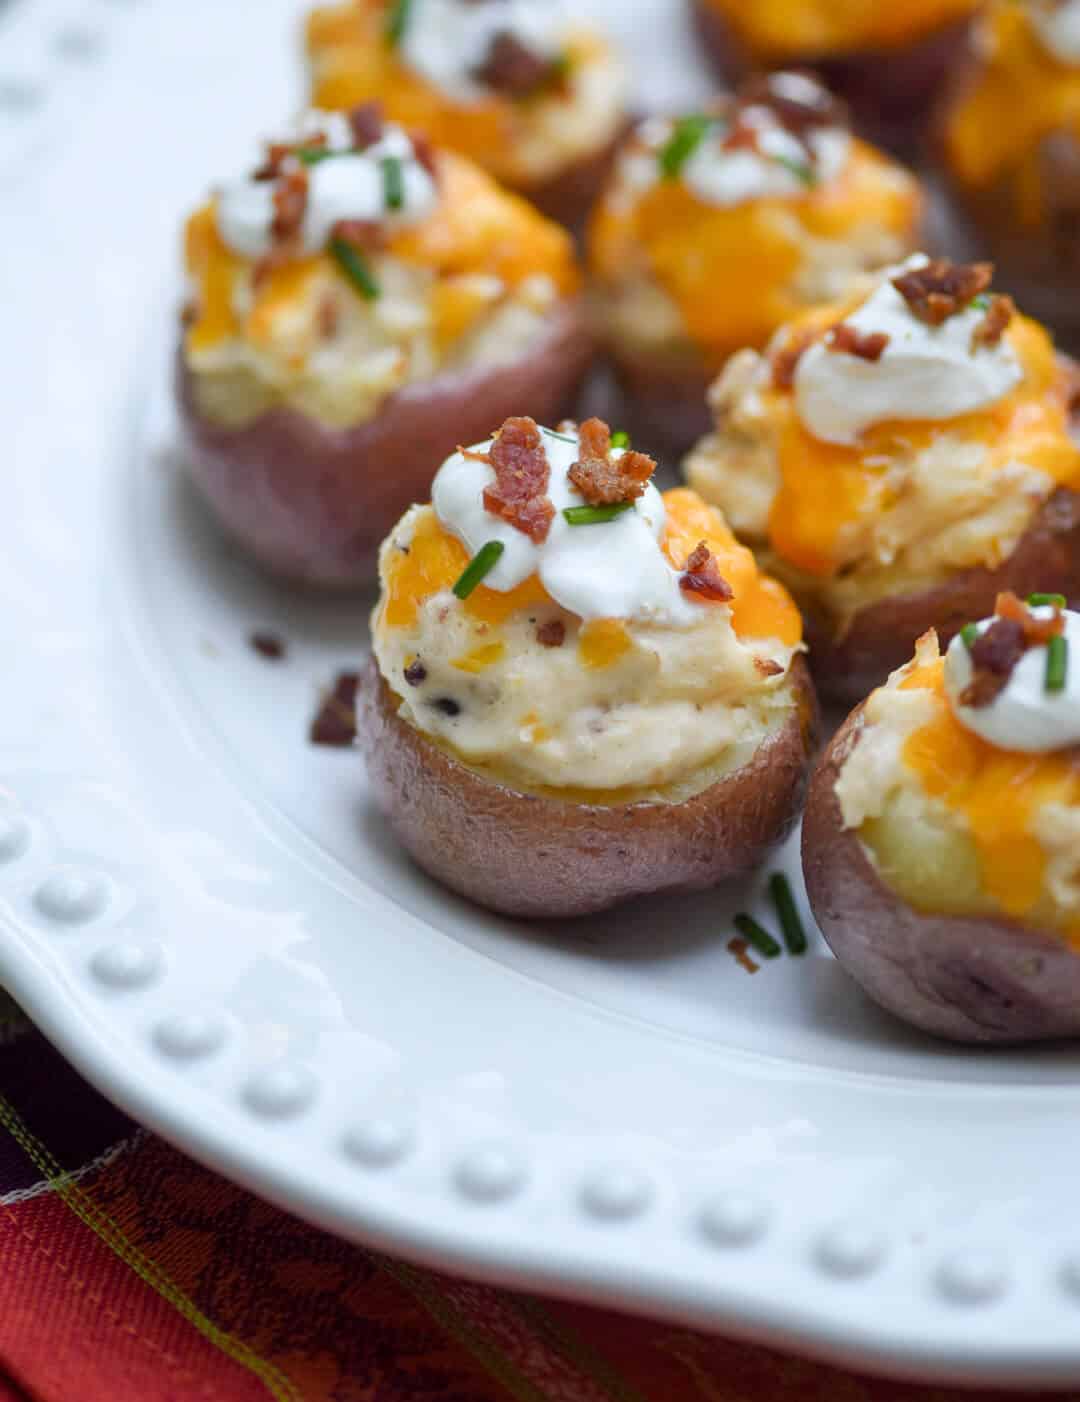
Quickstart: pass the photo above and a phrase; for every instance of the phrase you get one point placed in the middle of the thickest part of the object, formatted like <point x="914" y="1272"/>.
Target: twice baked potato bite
<point x="718" y="227"/>
<point x="359" y="306"/>
<point x="581" y="690"/>
<point x="1011" y="139"/>
<point x="889" y="59"/>
<point x="898" y="459"/>
<point x="528" y="91"/>
<point x="941" y="842"/>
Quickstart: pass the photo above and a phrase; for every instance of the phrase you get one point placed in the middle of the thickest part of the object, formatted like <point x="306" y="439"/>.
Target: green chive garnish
<point x="315" y="155"/>
<point x="981" y="303"/>
<point x="620" y="439"/>
<point x="397" y="21"/>
<point x="353" y="265"/>
<point x="1046" y="601"/>
<point x="802" y="172"/>
<point x="787" y="913"/>
<point x="393" y="182"/>
<point x="481" y="565"/>
<point x="562" y="437"/>
<point x="970" y="634"/>
<point x="683" y="142"/>
<point x="1057" y="664"/>
<point x="595" y="515"/>
<point x="758" y="937"/>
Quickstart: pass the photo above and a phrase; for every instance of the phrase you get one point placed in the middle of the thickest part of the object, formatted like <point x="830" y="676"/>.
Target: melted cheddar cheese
<point x="774" y="30"/>
<point x="734" y="272"/>
<point x="1020" y="95"/>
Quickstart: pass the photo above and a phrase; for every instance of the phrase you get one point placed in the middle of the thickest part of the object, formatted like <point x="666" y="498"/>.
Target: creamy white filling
<point x="1024" y="715"/>
<point x="781" y="167"/>
<point x="448" y="41"/>
<point x="349" y="185"/>
<point x="925" y="372"/>
<point x="1058" y="27"/>
<point x="615" y="569"/>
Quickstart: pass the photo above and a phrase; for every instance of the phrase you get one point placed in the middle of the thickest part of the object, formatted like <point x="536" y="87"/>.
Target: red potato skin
<point x="312" y="503"/>
<point x="969" y="979"/>
<point x="543" y="858"/>
<point x="892" y="94"/>
<point x="567" y="197"/>
<point x="882" y="636"/>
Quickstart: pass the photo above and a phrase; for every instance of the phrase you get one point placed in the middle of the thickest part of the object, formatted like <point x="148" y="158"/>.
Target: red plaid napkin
<point x="130" y="1274"/>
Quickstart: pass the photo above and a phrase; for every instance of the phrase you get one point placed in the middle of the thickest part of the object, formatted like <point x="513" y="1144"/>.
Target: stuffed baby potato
<point x="941" y="842"/>
<point x="718" y="227"/>
<point x="889" y="59"/>
<point x="898" y="460"/>
<point x="527" y="91"/>
<point x="359" y="307"/>
<point x="581" y="691"/>
<point x="1011" y="139"/>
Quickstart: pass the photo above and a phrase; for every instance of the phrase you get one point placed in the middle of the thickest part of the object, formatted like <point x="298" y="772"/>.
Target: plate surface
<point x="204" y="914"/>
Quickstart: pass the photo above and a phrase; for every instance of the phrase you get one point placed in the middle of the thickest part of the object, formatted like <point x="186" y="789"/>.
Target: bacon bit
<point x="741" y="951"/>
<point x="601" y="479"/>
<point x="511" y="67"/>
<point x="701" y="575"/>
<point x="766" y="667"/>
<point x="1037" y="631"/>
<point x="365" y="234"/>
<point x="742" y="135"/>
<point x="276" y="153"/>
<point x="867" y="345"/>
<point x="366" y="124"/>
<point x="268" y="645"/>
<point x="290" y="202"/>
<point x="798" y="102"/>
<point x="519" y="495"/>
<point x="335" y="723"/>
<point x="942" y="288"/>
<point x="270" y="262"/>
<point x="785" y="361"/>
<point x="424" y="153"/>
<point x="993" y="325"/>
<point x="995" y="653"/>
<point x="552" y="633"/>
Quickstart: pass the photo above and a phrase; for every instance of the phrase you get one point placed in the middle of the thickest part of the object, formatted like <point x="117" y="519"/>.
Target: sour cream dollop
<point x="615" y="569"/>
<point x="1058" y="28"/>
<point x="781" y="166"/>
<point x="1024" y="715"/>
<point x="925" y="372"/>
<point x="449" y="41"/>
<point x="351" y="184"/>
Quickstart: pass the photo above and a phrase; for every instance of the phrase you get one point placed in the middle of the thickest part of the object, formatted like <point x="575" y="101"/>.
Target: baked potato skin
<point x="544" y="858"/>
<point x="312" y="503"/>
<point x="891" y="94"/>
<point x="882" y="635"/>
<point x="974" y="979"/>
<point x="568" y="196"/>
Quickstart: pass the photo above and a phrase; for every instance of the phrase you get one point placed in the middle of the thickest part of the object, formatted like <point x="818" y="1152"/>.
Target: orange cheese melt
<point x="998" y="792"/>
<point x="779" y="29"/>
<point x="826" y="486"/>
<point x="761" y="608"/>
<point x="732" y="270"/>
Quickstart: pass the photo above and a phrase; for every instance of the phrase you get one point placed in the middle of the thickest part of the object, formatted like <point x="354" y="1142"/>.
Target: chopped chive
<point x="981" y="303"/>
<point x="620" y="438"/>
<point x="393" y="182"/>
<point x="787" y="913"/>
<point x="355" y="268"/>
<point x="595" y="515"/>
<point x="802" y="172"/>
<point x="1057" y="664"/>
<point x="315" y="155"/>
<point x="683" y="142"/>
<point x="1046" y="601"/>
<point x="478" y="568"/>
<point x="969" y="633"/>
<point x="397" y="21"/>
<point x="754" y="934"/>
<point x="562" y="437"/>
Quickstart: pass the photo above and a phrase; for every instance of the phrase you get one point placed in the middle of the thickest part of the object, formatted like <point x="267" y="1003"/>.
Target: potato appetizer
<point x="1011" y="138"/>
<point x="888" y="59"/>
<point x="581" y="690"/>
<point x="941" y="842"/>
<point x="359" y="306"/>
<point x="534" y="96"/>
<point x="896" y="460"/>
<point x="718" y="227"/>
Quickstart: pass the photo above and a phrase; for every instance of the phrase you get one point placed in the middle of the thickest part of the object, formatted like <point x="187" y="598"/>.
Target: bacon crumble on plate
<point x="604" y="480"/>
<point x="941" y="288"/>
<point x="701" y="575"/>
<point x="335" y="722"/>
<point x="867" y="345"/>
<point x="519" y="494"/>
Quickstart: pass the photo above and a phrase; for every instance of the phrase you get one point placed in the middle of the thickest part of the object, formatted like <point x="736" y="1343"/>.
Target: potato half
<point x="542" y="857"/>
<point x="312" y="503"/>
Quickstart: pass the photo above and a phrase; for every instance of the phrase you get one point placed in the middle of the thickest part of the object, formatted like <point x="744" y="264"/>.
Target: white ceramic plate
<point x="205" y="915"/>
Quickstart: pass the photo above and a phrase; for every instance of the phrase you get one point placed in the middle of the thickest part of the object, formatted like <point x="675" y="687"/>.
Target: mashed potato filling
<point x="610" y="707"/>
<point x="954" y="824"/>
